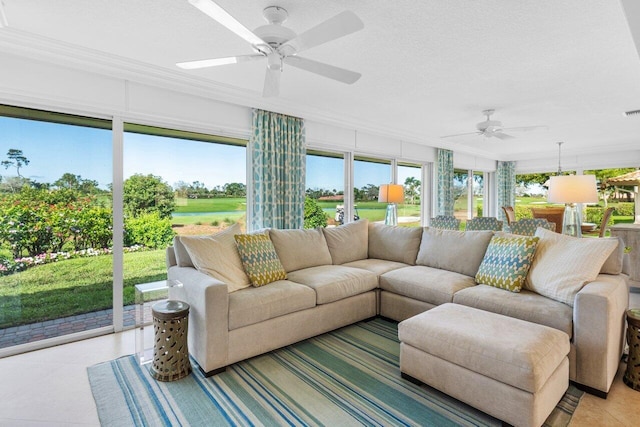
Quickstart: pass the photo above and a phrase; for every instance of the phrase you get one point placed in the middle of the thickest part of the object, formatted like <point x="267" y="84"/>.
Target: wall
<point x="37" y="84"/>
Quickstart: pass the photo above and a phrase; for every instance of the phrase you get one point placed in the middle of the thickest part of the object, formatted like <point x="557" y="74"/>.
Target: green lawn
<point x="74" y="286"/>
<point x="224" y="204"/>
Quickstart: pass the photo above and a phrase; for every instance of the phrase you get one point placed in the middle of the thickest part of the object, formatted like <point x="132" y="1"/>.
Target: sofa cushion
<point x="525" y="305"/>
<point x="348" y="242"/>
<point x="613" y="264"/>
<point x="393" y="243"/>
<point x="506" y="263"/>
<point x="259" y="258"/>
<point x="299" y="249"/>
<point x="217" y="256"/>
<point x="254" y="305"/>
<point x="376" y="266"/>
<point x="431" y="285"/>
<point x="182" y="256"/>
<point x="459" y="251"/>
<point x="335" y="282"/>
<point x="564" y="264"/>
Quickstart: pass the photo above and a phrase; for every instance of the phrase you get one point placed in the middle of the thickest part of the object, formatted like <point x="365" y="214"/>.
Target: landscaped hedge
<point x="625" y="209"/>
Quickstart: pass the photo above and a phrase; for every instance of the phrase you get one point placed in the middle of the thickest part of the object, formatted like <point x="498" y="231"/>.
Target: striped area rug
<point x="342" y="378"/>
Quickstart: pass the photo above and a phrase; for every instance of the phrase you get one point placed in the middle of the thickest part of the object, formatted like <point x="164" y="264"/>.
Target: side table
<point x="147" y="294"/>
<point x="170" y="350"/>
<point x="632" y="374"/>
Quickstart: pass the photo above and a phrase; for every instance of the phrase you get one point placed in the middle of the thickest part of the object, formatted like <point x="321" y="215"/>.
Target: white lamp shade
<point x="391" y="193"/>
<point x="573" y="189"/>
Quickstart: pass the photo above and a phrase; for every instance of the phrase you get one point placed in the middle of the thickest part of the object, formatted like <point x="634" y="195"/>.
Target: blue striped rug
<point x="345" y="377"/>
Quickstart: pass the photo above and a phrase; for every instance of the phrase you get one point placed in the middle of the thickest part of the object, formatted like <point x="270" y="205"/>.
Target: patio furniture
<point x="553" y="214"/>
<point x="509" y="213"/>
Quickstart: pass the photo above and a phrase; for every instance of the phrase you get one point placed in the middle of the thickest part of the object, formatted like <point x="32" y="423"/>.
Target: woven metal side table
<point x="170" y="352"/>
<point x="632" y="374"/>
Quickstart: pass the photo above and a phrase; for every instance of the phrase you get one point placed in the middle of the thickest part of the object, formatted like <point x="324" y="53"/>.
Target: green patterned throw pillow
<point x="507" y="260"/>
<point x="259" y="259"/>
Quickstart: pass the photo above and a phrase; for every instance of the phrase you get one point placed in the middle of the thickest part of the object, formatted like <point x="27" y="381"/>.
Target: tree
<point x="76" y="182"/>
<point x="411" y="189"/>
<point x="147" y="194"/>
<point x="235" y="189"/>
<point x="16" y="159"/>
<point x="314" y="216"/>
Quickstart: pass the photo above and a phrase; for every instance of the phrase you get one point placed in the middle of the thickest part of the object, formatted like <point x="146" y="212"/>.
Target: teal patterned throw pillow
<point x="259" y="259"/>
<point x="507" y="260"/>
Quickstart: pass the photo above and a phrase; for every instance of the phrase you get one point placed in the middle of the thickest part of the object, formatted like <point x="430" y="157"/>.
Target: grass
<point x="74" y="286"/>
<point x="224" y="204"/>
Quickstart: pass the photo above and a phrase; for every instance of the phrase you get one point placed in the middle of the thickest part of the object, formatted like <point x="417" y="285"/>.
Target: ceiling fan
<point x="281" y="45"/>
<point x="493" y="128"/>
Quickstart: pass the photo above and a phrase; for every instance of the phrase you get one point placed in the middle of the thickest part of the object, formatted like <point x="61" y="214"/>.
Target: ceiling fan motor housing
<point x="489" y="126"/>
<point x="274" y="33"/>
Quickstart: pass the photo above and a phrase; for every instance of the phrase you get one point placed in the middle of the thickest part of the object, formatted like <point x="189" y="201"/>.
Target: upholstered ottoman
<point x="514" y="370"/>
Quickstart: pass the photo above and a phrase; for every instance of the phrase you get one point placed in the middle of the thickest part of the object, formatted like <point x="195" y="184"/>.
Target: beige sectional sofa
<point x="338" y="276"/>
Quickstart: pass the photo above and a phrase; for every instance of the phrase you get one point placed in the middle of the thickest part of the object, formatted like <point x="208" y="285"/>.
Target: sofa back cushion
<point x="217" y="256"/>
<point x="563" y="264"/>
<point x="457" y="251"/>
<point x="613" y="264"/>
<point x="299" y="249"/>
<point x="348" y="242"/>
<point x="393" y="243"/>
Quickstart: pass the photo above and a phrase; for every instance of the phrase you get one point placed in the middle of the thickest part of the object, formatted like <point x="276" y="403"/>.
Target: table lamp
<point x="572" y="189"/>
<point x="391" y="194"/>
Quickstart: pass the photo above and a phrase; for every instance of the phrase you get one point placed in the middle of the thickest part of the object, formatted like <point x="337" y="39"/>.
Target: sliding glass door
<point x="55" y="225"/>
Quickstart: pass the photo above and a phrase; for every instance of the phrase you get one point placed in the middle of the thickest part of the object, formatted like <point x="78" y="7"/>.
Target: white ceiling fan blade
<point x="223" y="17"/>
<point x="203" y="63"/>
<point x="501" y="135"/>
<point x="528" y="128"/>
<point x="461" y="134"/>
<point x="325" y="70"/>
<point x="340" y="25"/>
<point x="271" y="83"/>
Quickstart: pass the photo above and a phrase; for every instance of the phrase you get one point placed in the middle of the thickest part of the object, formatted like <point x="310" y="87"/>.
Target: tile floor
<point x="50" y="387"/>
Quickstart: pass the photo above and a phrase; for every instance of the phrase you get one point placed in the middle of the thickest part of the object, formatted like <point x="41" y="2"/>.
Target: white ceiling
<point x="429" y="67"/>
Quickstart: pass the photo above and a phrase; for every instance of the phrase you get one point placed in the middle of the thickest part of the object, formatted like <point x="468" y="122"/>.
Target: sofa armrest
<point x="208" y="317"/>
<point x="598" y="322"/>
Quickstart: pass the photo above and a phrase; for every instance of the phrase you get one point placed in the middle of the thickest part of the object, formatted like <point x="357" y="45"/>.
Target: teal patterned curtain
<point x="445" y="182"/>
<point x="278" y="155"/>
<point x="506" y="178"/>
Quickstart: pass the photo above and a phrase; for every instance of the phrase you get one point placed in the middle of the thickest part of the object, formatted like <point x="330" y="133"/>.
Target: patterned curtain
<point x="506" y="177"/>
<point x="445" y="182"/>
<point x="278" y="155"/>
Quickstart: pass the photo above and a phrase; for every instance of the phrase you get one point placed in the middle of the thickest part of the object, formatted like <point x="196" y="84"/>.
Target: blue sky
<point x="54" y="149"/>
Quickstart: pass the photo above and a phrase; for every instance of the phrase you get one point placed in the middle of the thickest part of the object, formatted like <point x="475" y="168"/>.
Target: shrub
<point x="522" y="211"/>
<point x="149" y="230"/>
<point x="624" y="209"/>
<point x="215" y="223"/>
<point x="314" y="216"/>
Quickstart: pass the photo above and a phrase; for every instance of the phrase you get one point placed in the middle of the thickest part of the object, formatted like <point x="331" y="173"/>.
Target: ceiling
<point x="428" y="67"/>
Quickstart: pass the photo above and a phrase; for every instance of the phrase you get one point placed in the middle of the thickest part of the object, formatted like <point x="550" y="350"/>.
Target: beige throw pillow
<point x="348" y="242"/>
<point x="217" y="255"/>
<point x="563" y="264"/>
<point x="613" y="264"/>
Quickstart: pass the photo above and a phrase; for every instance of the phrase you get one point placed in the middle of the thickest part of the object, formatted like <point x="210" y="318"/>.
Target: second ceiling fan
<point x="280" y="45"/>
<point x="493" y="128"/>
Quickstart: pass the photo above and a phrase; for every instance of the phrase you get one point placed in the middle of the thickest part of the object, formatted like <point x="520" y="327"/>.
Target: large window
<point x="55" y="225"/>
<point x="325" y="186"/>
<point x="176" y="182"/>
<point x="410" y="175"/>
<point x="368" y="174"/>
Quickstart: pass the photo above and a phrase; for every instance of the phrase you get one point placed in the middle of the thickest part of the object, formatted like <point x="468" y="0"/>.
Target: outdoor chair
<point x="605" y="221"/>
<point x="553" y="214"/>
<point x="528" y="226"/>
<point x="484" y="223"/>
<point x="509" y="213"/>
<point x="445" y="222"/>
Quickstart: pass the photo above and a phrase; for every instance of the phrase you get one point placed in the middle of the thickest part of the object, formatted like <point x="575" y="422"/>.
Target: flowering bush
<point x="10" y="266"/>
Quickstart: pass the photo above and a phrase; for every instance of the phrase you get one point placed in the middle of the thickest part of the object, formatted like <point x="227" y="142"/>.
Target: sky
<point x="55" y="149"/>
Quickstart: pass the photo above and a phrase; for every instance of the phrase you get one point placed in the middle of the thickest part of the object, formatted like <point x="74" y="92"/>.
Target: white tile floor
<point x="50" y="387"/>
